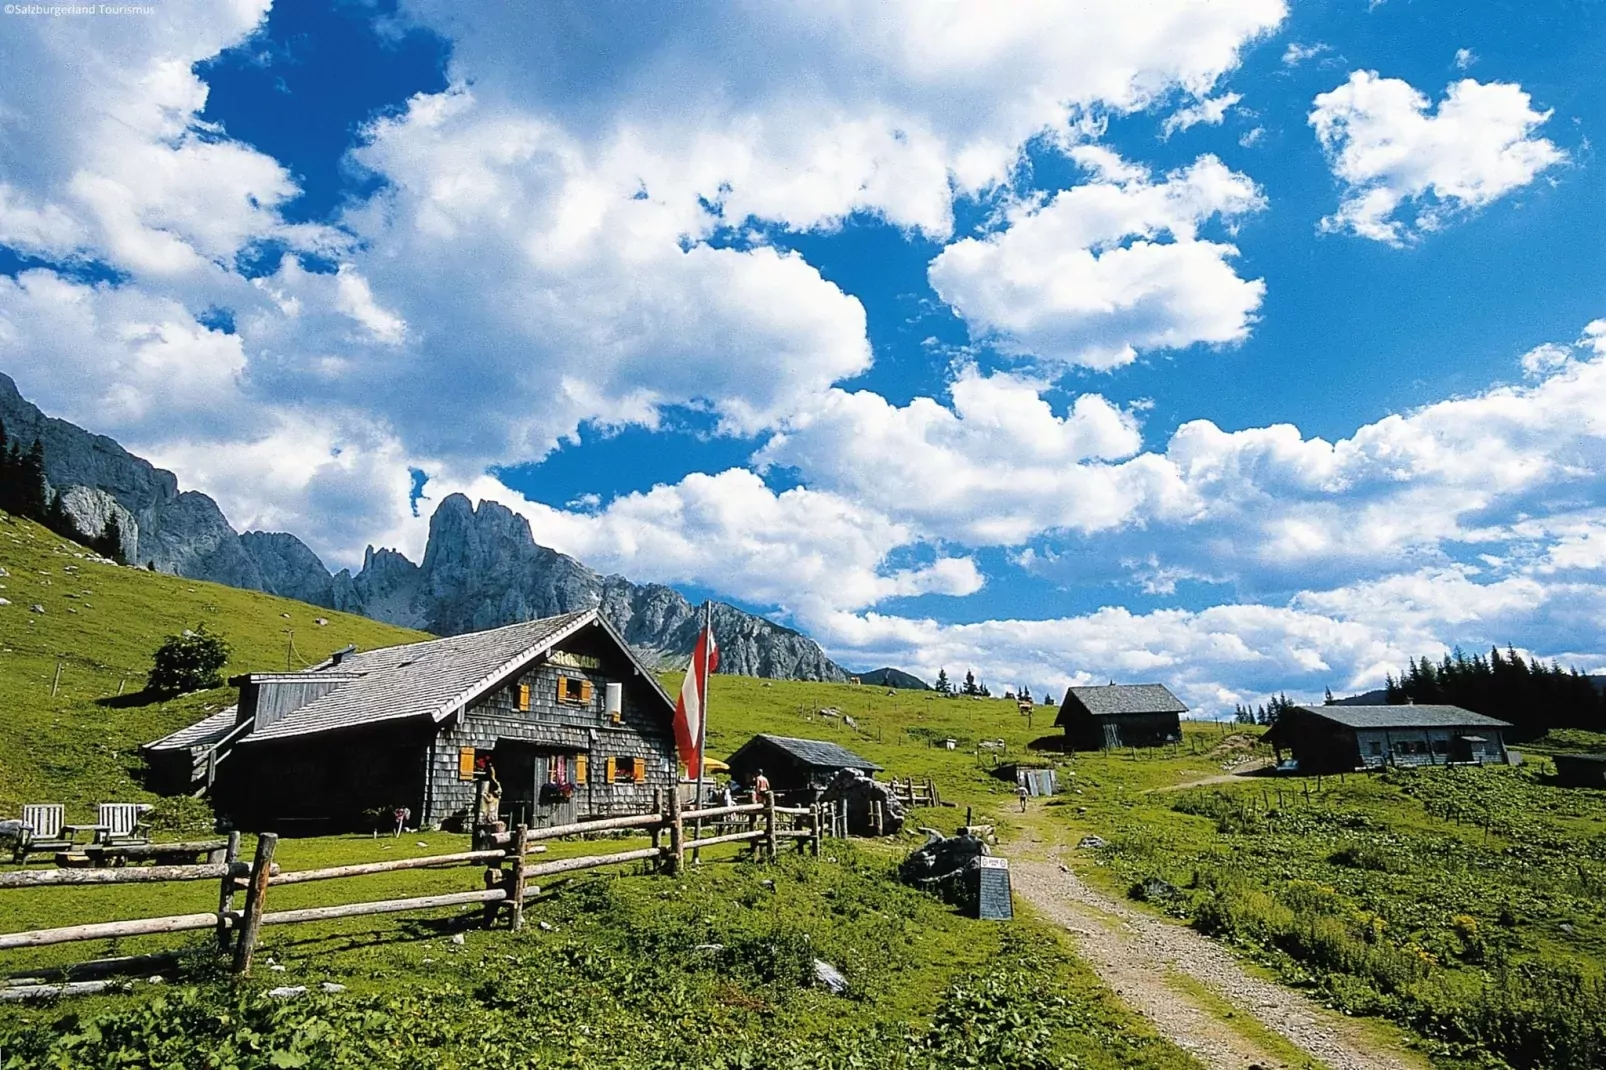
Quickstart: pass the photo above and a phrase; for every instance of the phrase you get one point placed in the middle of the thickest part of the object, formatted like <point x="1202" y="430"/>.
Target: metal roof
<point x="816" y="752"/>
<point x="200" y="734"/>
<point x="436" y="677"/>
<point x="1120" y="698"/>
<point x="1403" y="717"/>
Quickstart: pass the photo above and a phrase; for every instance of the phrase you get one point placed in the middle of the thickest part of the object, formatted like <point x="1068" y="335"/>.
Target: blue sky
<point x="1251" y="347"/>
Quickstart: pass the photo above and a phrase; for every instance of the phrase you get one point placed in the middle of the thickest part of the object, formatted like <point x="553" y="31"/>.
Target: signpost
<point x="993" y="901"/>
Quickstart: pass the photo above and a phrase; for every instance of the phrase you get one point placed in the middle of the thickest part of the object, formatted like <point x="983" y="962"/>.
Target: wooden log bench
<point x="180" y="853"/>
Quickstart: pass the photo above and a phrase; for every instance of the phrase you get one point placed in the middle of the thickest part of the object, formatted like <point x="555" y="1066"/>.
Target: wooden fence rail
<point x="507" y="876"/>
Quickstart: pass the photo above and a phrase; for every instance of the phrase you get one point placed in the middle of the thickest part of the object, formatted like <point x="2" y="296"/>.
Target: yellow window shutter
<point x="524" y="696"/>
<point x="561" y="681"/>
<point x="639" y="767"/>
<point x="612" y="768"/>
<point x="585" y="690"/>
<point x="465" y="763"/>
<point x="580" y="769"/>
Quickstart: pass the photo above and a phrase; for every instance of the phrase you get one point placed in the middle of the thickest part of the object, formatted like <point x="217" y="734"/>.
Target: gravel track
<point x="1136" y="954"/>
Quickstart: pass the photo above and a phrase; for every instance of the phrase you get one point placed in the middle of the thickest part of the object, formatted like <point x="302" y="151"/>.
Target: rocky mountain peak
<point x="481" y="568"/>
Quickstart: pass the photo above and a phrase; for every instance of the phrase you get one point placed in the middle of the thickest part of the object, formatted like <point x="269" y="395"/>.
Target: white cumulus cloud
<point x="1110" y="268"/>
<point x="1393" y="151"/>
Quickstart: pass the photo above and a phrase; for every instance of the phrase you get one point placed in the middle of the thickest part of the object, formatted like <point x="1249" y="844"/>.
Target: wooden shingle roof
<point x="1403" y="717"/>
<point x="435" y="678"/>
<point x="200" y="734"/>
<point x="814" y="752"/>
<point x="1113" y="699"/>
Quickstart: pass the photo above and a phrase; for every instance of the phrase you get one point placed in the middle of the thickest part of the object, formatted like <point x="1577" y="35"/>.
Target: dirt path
<point x="1152" y="964"/>
<point x="1234" y="777"/>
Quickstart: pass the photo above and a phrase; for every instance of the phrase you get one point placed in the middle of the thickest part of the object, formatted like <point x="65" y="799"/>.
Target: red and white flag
<point x="692" y="706"/>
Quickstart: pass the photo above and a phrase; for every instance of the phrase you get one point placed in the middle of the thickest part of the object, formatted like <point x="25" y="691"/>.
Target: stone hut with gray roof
<point x="568" y="718"/>
<point x="1120" y="715"/>
<point x="1332" y="739"/>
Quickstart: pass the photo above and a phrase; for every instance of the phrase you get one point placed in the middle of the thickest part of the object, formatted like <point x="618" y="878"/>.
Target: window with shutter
<point x="639" y="768"/>
<point x="585" y="690"/>
<point x="524" y="697"/>
<point x="465" y="763"/>
<point x="580" y="769"/>
<point x="611" y="770"/>
<point x="573" y="689"/>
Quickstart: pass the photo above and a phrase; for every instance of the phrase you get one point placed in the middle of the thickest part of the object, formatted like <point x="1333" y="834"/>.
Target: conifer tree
<point x="943" y="686"/>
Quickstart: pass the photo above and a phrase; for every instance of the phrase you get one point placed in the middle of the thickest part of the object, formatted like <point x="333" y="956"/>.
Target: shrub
<point x="192" y="661"/>
<point x="181" y="815"/>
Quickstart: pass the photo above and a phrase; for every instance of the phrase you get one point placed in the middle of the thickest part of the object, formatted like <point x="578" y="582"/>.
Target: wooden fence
<point x="508" y="877"/>
<point x="911" y="792"/>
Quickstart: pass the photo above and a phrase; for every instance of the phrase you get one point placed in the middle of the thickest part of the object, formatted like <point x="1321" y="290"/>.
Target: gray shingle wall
<point x="642" y="734"/>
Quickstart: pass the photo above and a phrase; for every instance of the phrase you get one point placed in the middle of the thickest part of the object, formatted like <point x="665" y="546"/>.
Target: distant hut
<point x="568" y="718"/>
<point x="1331" y="739"/>
<point x="1120" y="715"/>
<point x="1580" y="770"/>
<point x="796" y="768"/>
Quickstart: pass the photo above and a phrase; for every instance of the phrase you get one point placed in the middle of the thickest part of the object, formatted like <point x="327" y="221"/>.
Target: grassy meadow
<point x="625" y="969"/>
<point x="100" y="624"/>
<point x="1467" y="904"/>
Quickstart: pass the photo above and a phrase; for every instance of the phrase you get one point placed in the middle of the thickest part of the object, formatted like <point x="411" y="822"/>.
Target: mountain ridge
<point x="481" y="567"/>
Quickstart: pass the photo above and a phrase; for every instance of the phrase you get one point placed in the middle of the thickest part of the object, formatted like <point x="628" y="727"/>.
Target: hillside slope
<point x="100" y="623"/>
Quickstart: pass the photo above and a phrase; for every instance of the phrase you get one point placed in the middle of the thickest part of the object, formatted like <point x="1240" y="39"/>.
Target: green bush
<point x="191" y="661"/>
<point x="181" y="815"/>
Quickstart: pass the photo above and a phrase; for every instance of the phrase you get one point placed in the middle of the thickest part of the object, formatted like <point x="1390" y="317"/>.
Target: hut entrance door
<point x="554" y="788"/>
<point x="516" y="769"/>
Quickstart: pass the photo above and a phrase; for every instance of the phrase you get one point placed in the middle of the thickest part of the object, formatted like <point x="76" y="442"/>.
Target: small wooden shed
<point x="1120" y="715"/>
<point x="796" y="768"/>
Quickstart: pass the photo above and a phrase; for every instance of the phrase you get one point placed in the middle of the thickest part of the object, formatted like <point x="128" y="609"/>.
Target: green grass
<point x="1468" y="904"/>
<point x="100" y="624"/>
<point x="629" y="969"/>
<point x="710" y="969"/>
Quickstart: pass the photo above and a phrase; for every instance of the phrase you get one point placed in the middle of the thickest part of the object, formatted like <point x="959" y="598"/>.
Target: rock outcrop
<point x="482" y="566"/>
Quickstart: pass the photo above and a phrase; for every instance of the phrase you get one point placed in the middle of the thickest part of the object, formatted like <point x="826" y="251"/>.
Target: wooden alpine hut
<point x="559" y="713"/>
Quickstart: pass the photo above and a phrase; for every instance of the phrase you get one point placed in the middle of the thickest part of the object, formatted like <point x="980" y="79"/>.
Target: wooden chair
<point x="41" y="831"/>
<point x="121" y="824"/>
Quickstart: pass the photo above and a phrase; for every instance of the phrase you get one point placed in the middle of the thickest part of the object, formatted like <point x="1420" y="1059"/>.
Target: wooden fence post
<point x="677" y="834"/>
<point x="255" y="893"/>
<point x="769" y="825"/>
<point x="814" y="828"/>
<point x="658" y="808"/>
<point x="515" y="896"/>
<point x="225" y="898"/>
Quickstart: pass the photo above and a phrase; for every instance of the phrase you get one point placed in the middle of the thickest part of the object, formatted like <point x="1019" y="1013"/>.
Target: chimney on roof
<point x="340" y="655"/>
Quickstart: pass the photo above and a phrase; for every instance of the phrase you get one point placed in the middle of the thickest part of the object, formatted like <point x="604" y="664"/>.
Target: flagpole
<point x="704" y="641"/>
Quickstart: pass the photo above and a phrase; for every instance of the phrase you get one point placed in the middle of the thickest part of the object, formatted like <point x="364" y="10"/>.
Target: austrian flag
<point x="692" y="707"/>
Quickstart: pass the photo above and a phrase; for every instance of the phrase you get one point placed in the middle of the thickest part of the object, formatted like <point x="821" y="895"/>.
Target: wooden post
<point x="677" y="834"/>
<point x="814" y="827"/>
<point x="255" y="893"/>
<point x="658" y="808"/>
<point x="515" y="897"/>
<point x="769" y="825"/>
<point x="225" y="898"/>
<point x="56" y="682"/>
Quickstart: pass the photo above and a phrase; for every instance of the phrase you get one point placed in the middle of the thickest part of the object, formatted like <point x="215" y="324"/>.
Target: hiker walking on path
<point x="1020" y="791"/>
